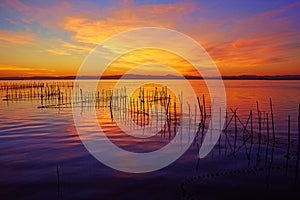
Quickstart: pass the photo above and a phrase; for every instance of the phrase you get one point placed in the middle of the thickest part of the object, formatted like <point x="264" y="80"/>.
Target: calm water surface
<point x="34" y="141"/>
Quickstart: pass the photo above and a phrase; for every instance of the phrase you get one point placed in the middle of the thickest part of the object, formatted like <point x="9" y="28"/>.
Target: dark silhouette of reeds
<point x="43" y="91"/>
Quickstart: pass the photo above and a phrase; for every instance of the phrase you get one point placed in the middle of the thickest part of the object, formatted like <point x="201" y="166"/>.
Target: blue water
<point x="33" y="142"/>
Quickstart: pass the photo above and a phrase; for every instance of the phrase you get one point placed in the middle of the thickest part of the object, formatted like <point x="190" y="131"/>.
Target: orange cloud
<point x="58" y="52"/>
<point x="19" y="38"/>
<point x="94" y="31"/>
<point x="61" y="47"/>
<point x="13" y="68"/>
<point x="10" y="70"/>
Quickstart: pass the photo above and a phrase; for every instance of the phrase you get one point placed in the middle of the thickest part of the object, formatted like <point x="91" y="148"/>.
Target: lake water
<point x="34" y="141"/>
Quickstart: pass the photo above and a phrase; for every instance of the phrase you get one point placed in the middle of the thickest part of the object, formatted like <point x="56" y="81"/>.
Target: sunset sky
<point x="52" y="38"/>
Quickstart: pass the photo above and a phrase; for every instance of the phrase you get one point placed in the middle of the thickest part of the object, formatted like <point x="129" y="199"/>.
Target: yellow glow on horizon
<point x="150" y="62"/>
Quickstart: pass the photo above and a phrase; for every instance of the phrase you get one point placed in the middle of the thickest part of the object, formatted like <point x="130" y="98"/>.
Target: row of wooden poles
<point x="270" y="141"/>
<point x="17" y="91"/>
<point x="245" y="134"/>
<point x="138" y="107"/>
<point x="63" y="94"/>
<point x="52" y="94"/>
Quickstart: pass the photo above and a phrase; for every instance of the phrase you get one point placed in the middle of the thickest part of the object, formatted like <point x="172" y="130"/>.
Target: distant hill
<point x="255" y="77"/>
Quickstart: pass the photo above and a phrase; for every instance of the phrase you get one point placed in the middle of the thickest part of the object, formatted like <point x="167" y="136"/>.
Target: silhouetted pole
<point x="58" y="181"/>
<point x="268" y="140"/>
<point x="288" y="149"/>
<point x="272" y="118"/>
<point x="235" y="132"/>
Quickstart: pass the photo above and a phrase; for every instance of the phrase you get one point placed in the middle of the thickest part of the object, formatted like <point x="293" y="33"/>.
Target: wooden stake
<point x="58" y="181"/>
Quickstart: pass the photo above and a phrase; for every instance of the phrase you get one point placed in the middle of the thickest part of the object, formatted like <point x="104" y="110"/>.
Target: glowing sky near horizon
<point x="52" y="38"/>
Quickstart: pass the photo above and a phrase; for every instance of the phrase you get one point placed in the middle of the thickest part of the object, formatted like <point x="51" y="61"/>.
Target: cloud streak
<point x="18" y="38"/>
<point x="94" y="31"/>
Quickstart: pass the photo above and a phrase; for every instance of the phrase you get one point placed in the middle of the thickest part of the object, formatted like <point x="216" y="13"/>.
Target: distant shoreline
<point x="170" y="77"/>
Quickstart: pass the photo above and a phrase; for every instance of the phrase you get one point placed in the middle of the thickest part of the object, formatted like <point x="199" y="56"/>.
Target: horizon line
<point x="136" y="76"/>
